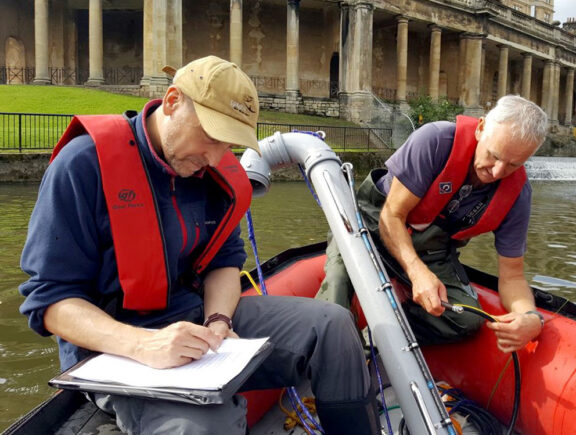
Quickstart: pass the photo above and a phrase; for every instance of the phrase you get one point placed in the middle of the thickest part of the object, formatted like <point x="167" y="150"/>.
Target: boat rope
<point x="256" y="287"/>
<point x="252" y="238"/>
<point x="460" y="308"/>
<point x="347" y="168"/>
<point x="380" y="383"/>
<point x="310" y="188"/>
<point x="292" y="393"/>
<point x="322" y="136"/>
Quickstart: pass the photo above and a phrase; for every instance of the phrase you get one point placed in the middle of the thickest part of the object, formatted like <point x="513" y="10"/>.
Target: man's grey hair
<point x="526" y="120"/>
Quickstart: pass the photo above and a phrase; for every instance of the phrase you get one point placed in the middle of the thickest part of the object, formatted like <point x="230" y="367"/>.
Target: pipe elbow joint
<point x="283" y="149"/>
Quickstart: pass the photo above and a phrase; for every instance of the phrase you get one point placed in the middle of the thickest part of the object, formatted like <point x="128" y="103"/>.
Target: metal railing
<point x="71" y="76"/>
<point x="35" y="131"/>
<point x="339" y="138"/>
<point x="31" y="131"/>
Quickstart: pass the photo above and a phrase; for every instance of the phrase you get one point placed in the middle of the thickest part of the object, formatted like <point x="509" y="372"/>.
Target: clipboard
<point x="186" y="395"/>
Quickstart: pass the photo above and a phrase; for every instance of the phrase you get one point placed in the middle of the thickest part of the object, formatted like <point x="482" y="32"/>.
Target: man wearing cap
<point x="134" y="249"/>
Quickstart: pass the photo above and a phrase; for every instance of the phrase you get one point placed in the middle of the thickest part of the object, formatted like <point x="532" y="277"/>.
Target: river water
<point x="286" y="217"/>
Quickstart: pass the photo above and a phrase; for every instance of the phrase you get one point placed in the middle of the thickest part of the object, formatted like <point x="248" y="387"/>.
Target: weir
<point x="551" y="168"/>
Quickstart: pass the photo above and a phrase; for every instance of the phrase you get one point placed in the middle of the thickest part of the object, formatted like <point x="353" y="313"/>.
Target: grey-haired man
<point x="450" y="182"/>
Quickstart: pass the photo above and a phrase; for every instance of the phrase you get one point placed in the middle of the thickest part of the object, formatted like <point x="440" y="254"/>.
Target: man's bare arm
<point x="221" y="295"/>
<point x="84" y="324"/>
<point x="427" y="289"/>
<point x="516" y="328"/>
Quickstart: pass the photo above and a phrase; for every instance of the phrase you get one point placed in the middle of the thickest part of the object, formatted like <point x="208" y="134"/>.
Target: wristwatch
<point x="540" y="316"/>
<point x="218" y="317"/>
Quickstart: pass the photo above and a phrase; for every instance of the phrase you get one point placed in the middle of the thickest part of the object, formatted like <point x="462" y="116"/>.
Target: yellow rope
<point x="245" y="273"/>
<point x="292" y="419"/>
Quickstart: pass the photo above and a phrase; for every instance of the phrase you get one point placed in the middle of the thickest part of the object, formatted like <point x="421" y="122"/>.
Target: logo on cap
<point x="244" y="108"/>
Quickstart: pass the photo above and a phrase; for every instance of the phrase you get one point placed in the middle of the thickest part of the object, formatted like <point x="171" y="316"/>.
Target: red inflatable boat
<point x="548" y="368"/>
<point x="476" y="367"/>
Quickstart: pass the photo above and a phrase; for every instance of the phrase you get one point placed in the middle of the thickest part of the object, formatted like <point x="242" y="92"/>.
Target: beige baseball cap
<point x="225" y="99"/>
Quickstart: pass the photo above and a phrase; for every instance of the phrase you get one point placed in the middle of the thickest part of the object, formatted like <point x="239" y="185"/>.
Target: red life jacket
<point x="134" y="220"/>
<point x="452" y="178"/>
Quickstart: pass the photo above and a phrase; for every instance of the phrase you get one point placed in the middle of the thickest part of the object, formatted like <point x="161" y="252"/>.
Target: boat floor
<point x="89" y="420"/>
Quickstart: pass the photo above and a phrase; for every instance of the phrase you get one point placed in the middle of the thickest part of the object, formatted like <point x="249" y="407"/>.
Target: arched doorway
<point x="334" y="75"/>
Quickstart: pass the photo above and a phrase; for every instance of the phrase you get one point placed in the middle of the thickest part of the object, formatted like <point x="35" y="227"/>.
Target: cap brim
<point x="226" y="129"/>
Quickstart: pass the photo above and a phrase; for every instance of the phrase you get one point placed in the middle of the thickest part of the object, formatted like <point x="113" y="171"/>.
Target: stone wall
<point x="23" y="167"/>
<point x="31" y="167"/>
<point x="309" y="105"/>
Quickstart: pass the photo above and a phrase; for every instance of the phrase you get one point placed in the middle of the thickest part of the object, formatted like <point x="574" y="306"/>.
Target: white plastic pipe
<point x="323" y="167"/>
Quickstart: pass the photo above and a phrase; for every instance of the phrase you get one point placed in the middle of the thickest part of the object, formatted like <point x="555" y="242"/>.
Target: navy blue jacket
<point x="69" y="251"/>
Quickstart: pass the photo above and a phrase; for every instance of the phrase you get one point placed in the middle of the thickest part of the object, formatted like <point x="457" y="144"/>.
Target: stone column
<point x="435" y="50"/>
<point x="472" y="75"/>
<point x="527" y="75"/>
<point x="236" y="32"/>
<point x="569" y="96"/>
<point x="41" y="42"/>
<point x="166" y="43"/>
<point x="293" y="96"/>
<point x="546" y="88"/>
<point x="401" y="58"/>
<point x="96" y="44"/>
<point x="555" y="93"/>
<point x="174" y="34"/>
<point x="503" y="71"/>
<point x="461" y="69"/>
<point x="356" y="62"/>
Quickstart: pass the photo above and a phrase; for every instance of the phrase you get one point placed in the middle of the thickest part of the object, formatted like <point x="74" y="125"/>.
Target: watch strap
<point x="540" y="316"/>
<point x="218" y="317"/>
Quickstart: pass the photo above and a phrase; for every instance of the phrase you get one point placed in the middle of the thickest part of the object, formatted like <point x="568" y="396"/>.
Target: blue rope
<point x="311" y="133"/>
<point x="294" y="400"/>
<point x="292" y="393"/>
<point x="309" y="185"/>
<point x="380" y="387"/>
<point x="252" y="238"/>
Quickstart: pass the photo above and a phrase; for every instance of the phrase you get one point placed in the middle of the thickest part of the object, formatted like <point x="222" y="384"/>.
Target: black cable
<point x="402" y="427"/>
<point x="517" y="376"/>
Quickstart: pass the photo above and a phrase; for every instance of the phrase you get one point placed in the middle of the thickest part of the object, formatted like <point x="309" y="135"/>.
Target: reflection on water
<point x="27" y="360"/>
<point x="287" y="217"/>
<point x="551" y="256"/>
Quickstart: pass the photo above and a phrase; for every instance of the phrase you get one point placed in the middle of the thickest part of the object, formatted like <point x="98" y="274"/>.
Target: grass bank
<point x="84" y="101"/>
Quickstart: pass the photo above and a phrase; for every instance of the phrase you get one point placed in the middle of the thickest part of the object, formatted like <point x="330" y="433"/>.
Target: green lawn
<point x="64" y="100"/>
<point x="78" y="101"/>
<point x="37" y="132"/>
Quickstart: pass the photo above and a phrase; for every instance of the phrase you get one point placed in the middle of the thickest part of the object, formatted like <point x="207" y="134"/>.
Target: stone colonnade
<point x="162" y="45"/>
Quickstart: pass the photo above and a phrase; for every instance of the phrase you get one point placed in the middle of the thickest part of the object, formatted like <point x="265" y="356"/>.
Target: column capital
<point x="401" y="19"/>
<point x="364" y="4"/>
<point x="293" y="2"/>
<point x="434" y="27"/>
<point x="466" y="35"/>
<point x="526" y="55"/>
<point x="502" y="46"/>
